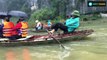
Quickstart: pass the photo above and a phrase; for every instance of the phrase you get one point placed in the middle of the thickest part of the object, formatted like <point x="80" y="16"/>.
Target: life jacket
<point x="24" y="29"/>
<point x="7" y="29"/>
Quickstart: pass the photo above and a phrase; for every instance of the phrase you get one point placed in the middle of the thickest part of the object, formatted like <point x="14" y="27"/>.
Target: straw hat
<point x="76" y="13"/>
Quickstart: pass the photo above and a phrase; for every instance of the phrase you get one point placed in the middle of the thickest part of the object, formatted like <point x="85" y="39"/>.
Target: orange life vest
<point x="24" y="29"/>
<point x="7" y="29"/>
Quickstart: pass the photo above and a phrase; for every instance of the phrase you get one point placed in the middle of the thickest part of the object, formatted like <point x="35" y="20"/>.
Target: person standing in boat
<point x="7" y="27"/>
<point x="70" y="24"/>
<point x="20" y="29"/>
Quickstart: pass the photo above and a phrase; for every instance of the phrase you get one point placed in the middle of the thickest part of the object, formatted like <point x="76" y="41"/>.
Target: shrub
<point x="43" y="14"/>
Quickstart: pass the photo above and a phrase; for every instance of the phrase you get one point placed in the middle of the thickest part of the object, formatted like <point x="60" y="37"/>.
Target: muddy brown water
<point x="94" y="47"/>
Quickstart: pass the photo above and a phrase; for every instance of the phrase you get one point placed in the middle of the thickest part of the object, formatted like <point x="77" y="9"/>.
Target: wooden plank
<point x="4" y="39"/>
<point x="25" y="38"/>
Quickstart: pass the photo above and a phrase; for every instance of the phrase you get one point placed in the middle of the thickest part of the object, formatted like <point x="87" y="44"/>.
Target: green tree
<point x="43" y="14"/>
<point x="60" y="7"/>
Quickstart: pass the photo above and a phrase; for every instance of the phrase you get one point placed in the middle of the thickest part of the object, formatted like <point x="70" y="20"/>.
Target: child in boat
<point x="70" y="24"/>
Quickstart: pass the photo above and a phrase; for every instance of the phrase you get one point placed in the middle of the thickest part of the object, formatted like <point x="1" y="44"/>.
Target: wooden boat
<point x="45" y="39"/>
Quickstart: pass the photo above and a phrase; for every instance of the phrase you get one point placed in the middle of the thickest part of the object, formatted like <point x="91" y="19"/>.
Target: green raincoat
<point x="72" y="23"/>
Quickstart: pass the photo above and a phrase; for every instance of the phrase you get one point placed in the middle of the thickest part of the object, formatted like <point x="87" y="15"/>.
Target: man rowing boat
<point x="70" y="24"/>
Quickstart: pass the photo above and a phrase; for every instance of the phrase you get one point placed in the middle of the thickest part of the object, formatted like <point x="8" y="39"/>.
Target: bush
<point x="43" y="14"/>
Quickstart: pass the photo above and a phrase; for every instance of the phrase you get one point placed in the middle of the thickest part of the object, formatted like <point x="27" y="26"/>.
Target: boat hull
<point x="46" y="39"/>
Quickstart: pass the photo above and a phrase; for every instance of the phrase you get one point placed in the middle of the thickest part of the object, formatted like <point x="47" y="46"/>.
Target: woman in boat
<point x="20" y="29"/>
<point x="47" y="25"/>
<point x="7" y="27"/>
<point x="39" y="25"/>
<point x="70" y="24"/>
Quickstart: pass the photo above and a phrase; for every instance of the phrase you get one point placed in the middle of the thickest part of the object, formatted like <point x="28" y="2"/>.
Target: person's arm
<point x="38" y="24"/>
<point x="18" y="26"/>
<point x="1" y="26"/>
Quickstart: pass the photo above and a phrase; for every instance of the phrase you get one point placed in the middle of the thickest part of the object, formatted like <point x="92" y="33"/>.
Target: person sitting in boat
<point x="7" y="28"/>
<point x="20" y="29"/>
<point x="47" y="25"/>
<point x="70" y="24"/>
<point x="39" y="25"/>
<point x="1" y="30"/>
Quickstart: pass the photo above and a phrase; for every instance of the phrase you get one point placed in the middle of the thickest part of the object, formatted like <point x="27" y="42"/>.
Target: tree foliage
<point x="56" y="9"/>
<point x="43" y="14"/>
<point x="60" y="7"/>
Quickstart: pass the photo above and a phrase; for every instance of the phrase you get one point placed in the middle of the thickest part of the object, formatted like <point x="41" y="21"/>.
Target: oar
<point x="56" y="39"/>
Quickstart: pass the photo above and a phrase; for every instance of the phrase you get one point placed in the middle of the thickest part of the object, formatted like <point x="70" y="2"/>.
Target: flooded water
<point x="94" y="47"/>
